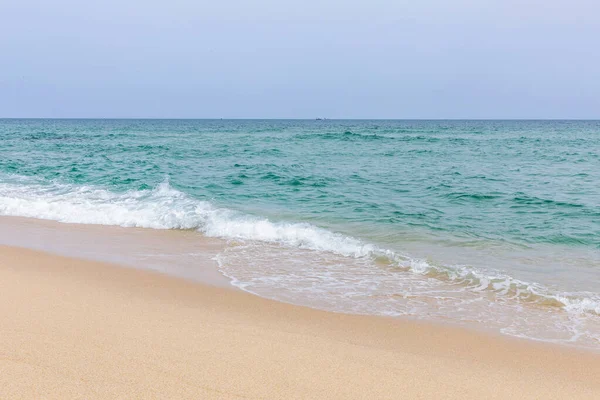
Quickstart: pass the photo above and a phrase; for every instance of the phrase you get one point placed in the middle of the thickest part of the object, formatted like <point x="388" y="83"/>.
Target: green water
<point x="524" y="182"/>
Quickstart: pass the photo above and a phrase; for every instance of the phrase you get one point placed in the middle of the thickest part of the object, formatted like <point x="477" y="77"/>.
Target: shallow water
<point x="479" y="222"/>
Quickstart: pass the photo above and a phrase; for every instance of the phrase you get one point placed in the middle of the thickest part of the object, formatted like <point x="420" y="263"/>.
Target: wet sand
<point x="83" y="329"/>
<point x="182" y="253"/>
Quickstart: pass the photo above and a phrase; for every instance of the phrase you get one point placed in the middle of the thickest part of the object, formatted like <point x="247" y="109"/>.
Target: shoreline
<point x="176" y="253"/>
<point x="180" y="253"/>
<point x="85" y="329"/>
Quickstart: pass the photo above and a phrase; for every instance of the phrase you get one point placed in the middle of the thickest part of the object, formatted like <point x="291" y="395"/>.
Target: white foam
<point x="167" y="208"/>
<point x="164" y="208"/>
<point x="301" y="235"/>
<point x="161" y="208"/>
<point x="356" y="285"/>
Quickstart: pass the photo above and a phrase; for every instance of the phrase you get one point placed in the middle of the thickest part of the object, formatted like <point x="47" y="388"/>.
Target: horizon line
<point x="300" y="119"/>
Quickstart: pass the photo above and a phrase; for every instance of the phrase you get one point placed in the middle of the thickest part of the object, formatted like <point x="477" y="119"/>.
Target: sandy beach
<point x="81" y="329"/>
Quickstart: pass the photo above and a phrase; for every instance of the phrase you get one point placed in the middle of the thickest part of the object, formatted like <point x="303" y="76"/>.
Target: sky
<point x="300" y="59"/>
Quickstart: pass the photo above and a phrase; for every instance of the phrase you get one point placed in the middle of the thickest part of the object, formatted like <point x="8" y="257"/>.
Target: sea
<point x="487" y="224"/>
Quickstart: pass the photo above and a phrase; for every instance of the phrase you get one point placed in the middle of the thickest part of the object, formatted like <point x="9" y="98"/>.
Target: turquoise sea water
<point x="488" y="222"/>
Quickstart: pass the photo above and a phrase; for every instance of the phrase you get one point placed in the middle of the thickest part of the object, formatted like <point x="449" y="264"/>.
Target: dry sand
<point x="80" y="329"/>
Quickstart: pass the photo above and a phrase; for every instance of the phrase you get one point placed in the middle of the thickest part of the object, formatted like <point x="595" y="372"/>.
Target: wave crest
<point x="160" y="208"/>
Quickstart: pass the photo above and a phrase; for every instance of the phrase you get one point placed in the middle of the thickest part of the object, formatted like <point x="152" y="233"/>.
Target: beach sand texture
<point x="74" y="329"/>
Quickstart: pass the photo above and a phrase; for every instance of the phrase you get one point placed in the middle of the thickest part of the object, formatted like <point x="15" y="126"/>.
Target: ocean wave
<point x="160" y="208"/>
<point x="165" y="207"/>
<point x="522" y="199"/>
<point x="341" y="136"/>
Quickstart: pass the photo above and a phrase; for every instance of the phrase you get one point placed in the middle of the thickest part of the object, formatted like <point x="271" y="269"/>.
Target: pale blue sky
<point x="300" y="59"/>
